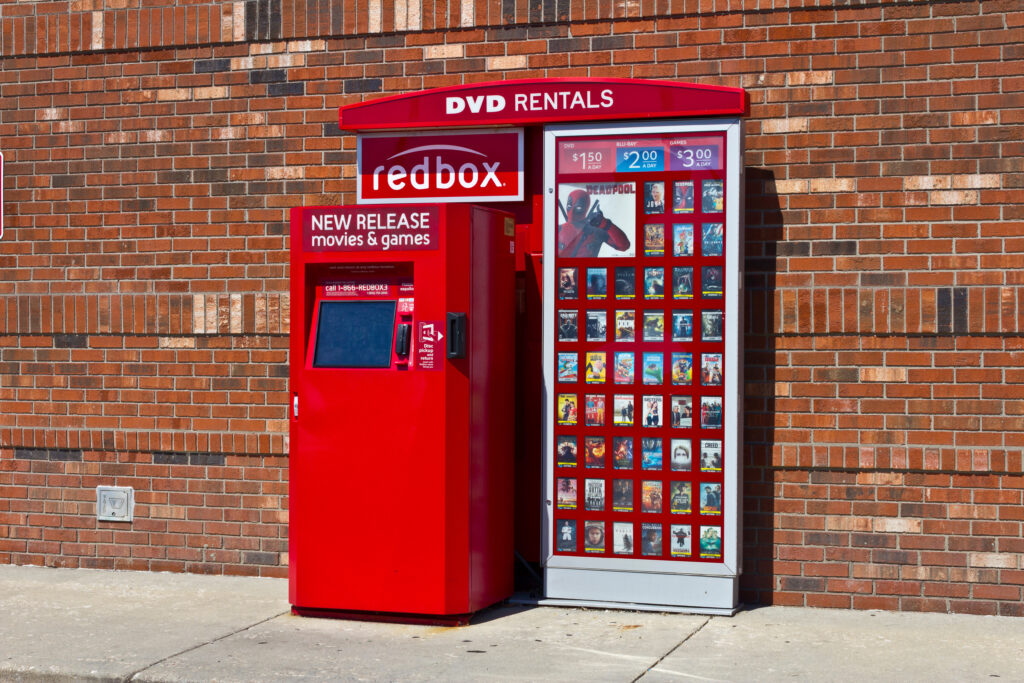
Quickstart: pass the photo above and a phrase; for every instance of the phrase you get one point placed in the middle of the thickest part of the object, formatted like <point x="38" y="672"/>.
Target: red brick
<point x="127" y="257"/>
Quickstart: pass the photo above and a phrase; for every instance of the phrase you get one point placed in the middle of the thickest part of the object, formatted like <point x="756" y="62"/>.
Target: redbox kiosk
<point x="401" y="417"/>
<point x="628" y="212"/>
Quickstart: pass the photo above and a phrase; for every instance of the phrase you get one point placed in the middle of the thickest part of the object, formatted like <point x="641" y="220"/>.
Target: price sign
<point x="637" y="159"/>
<point x="588" y="158"/>
<point x="694" y="157"/>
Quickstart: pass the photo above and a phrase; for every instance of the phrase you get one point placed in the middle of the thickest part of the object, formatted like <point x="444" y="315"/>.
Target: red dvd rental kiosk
<point x="402" y="334"/>
<point x="627" y="199"/>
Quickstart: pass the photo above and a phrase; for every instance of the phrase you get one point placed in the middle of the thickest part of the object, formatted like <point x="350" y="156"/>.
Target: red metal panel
<point x="492" y="410"/>
<point x="529" y="390"/>
<point x="540" y="101"/>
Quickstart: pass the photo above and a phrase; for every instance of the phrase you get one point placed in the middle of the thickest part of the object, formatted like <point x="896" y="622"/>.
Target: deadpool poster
<point x="596" y="220"/>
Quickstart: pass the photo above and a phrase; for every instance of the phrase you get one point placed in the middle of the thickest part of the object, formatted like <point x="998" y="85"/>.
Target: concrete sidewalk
<point x="65" y="624"/>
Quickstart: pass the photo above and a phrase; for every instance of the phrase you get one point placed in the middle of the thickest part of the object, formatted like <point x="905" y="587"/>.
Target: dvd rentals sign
<point x="459" y="166"/>
<point x="541" y="101"/>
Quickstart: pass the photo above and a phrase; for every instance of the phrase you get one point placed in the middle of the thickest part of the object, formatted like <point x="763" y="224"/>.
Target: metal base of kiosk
<point x="627" y="607"/>
<point x="385" y="617"/>
<point x="687" y="593"/>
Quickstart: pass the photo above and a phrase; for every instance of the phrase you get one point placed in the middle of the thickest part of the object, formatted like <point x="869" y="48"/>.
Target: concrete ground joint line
<point x="131" y="677"/>
<point x="676" y="647"/>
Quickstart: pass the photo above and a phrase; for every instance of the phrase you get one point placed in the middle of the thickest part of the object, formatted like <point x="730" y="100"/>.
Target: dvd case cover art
<point x="711" y="542"/>
<point x="711" y="282"/>
<point x="565" y="493"/>
<point x="622" y="410"/>
<point x="711" y="369"/>
<point x="710" y="499"/>
<point x="682" y="196"/>
<point x="682" y="367"/>
<point x="711" y="412"/>
<point x="593" y="452"/>
<point x="595" y="368"/>
<point x="712" y="196"/>
<point x="566" y="535"/>
<point x="651" y="543"/>
<point x="567" y="283"/>
<point x="565" y="451"/>
<point x="599" y="220"/>
<point x="654" y="368"/>
<point x="711" y="324"/>
<point x="711" y="455"/>
<point x="682" y="326"/>
<point x="682" y="239"/>
<point x="597" y="283"/>
<point x="625" y="326"/>
<point x="652" y="411"/>
<point x="650" y="453"/>
<point x="624" y="361"/>
<point x="680" y="545"/>
<point x="622" y="538"/>
<point x="594" y="410"/>
<point x="567" y="369"/>
<point x="654" y="197"/>
<point x="593" y="496"/>
<point x="679" y="498"/>
<point x="654" y="239"/>
<point x="567" y="409"/>
<point x="682" y="455"/>
<point x="654" y="283"/>
<point x="568" y="326"/>
<point x="650" y="496"/>
<point x="597" y="326"/>
<point x="625" y="282"/>
<point x="593" y="536"/>
<point x="654" y="326"/>
<point x="682" y="411"/>
<point x="682" y="282"/>
<point x="622" y="495"/>
<point x="622" y="452"/>
<point x="712" y="239"/>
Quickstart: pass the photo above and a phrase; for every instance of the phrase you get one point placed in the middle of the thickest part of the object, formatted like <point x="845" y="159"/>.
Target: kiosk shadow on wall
<point x="763" y="233"/>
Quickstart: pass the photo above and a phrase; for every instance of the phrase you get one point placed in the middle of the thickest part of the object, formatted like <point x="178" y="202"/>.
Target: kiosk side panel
<point x="492" y="412"/>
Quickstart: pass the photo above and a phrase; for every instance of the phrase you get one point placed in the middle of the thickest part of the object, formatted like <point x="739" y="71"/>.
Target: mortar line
<point x="677" y="646"/>
<point x="131" y="676"/>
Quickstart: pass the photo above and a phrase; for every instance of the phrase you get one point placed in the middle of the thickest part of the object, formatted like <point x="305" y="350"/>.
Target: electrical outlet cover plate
<point x="115" y="503"/>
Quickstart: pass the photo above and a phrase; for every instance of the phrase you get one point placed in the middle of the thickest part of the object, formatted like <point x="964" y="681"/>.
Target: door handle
<point x="456" y="335"/>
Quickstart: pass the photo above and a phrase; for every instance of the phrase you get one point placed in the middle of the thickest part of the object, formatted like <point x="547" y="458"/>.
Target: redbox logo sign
<point x="460" y="166"/>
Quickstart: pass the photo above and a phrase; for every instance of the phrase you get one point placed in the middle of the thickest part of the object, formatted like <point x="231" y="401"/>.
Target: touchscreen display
<point x="354" y="334"/>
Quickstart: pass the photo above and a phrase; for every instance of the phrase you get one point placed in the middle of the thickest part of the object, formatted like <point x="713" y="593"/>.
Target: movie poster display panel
<point x="647" y="232"/>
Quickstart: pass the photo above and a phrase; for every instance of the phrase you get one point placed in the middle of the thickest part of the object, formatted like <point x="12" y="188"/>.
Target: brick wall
<point x="153" y="150"/>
